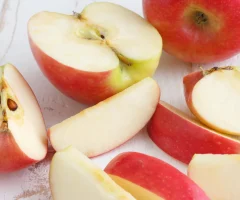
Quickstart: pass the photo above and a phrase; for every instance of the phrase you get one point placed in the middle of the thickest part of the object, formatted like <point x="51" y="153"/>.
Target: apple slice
<point x="213" y="96"/>
<point x="141" y="174"/>
<point x="217" y="175"/>
<point x="73" y="176"/>
<point x="97" y="53"/>
<point x="182" y="137"/>
<point x="23" y="138"/>
<point x="110" y="123"/>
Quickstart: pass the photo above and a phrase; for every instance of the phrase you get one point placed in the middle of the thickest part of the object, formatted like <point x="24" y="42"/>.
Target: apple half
<point x="23" y="138"/>
<point x="181" y="136"/>
<point x="213" y="96"/>
<point x="110" y="123"/>
<point x="94" y="54"/>
<point x="146" y="178"/>
<point x="73" y="176"/>
<point x="217" y="175"/>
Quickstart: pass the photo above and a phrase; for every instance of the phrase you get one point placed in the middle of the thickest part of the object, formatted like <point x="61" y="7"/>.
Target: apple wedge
<point x="110" y="123"/>
<point x="94" y="54"/>
<point x="213" y="96"/>
<point x="148" y="178"/>
<point x="73" y="176"/>
<point x="181" y="136"/>
<point x="23" y="138"/>
<point x="217" y="175"/>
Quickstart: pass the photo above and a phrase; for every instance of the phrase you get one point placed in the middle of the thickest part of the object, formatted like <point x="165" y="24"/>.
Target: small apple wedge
<point x="110" y="123"/>
<point x="97" y="53"/>
<point x="73" y="176"/>
<point x="181" y="136"/>
<point x="23" y="138"/>
<point x="148" y="178"/>
<point x="217" y="175"/>
<point x="213" y="96"/>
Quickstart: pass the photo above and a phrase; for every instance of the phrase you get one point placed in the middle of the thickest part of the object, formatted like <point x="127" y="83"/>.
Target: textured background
<point x="32" y="183"/>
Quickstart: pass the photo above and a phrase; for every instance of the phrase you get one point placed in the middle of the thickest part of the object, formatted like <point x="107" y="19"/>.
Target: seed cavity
<point x="12" y="105"/>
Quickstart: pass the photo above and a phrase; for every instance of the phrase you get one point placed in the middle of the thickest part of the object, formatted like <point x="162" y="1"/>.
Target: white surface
<point x="32" y="183"/>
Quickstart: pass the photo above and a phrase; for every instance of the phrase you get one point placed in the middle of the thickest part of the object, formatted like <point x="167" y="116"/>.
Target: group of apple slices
<point x="62" y="46"/>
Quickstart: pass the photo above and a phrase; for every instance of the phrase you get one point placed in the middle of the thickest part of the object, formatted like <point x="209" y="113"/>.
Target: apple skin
<point x="12" y="157"/>
<point x="216" y="40"/>
<point x="82" y="86"/>
<point x="181" y="138"/>
<point x="189" y="81"/>
<point x="156" y="176"/>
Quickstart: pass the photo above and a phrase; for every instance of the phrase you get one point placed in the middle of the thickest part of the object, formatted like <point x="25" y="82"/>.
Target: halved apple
<point x="73" y="176"/>
<point x="181" y="136"/>
<point x="148" y="178"/>
<point x="23" y="138"/>
<point x="217" y="175"/>
<point x="213" y="96"/>
<point x="110" y="123"/>
<point x="97" y="53"/>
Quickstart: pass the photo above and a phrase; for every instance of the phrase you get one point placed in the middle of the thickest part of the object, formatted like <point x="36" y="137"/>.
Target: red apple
<point x="182" y="137"/>
<point x="213" y="97"/>
<point x="23" y="138"/>
<point x="95" y="54"/>
<point x="136" y="173"/>
<point x="196" y="31"/>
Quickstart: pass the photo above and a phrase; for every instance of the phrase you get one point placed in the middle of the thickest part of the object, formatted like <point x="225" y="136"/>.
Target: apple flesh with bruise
<point x="213" y="96"/>
<point x="95" y="54"/>
<point x="181" y="136"/>
<point x="148" y="178"/>
<point x="196" y="31"/>
<point x="110" y="123"/>
<point x="73" y="176"/>
<point x="217" y="175"/>
<point x="23" y="138"/>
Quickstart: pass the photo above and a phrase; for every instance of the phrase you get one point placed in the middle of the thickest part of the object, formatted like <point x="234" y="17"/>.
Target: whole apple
<point x="197" y="31"/>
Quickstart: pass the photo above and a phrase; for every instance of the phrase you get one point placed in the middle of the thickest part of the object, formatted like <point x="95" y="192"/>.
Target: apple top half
<point x="104" y="37"/>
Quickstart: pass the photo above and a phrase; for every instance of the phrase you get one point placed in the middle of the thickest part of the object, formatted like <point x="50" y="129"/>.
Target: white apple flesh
<point x="23" y="138"/>
<point x="217" y="175"/>
<point x="110" y="123"/>
<point x="92" y="55"/>
<point x="215" y="97"/>
<point x="73" y="176"/>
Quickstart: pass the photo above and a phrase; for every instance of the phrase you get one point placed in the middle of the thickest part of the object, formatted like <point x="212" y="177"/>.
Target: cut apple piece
<point x="146" y="178"/>
<point x="23" y="138"/>
<point x="213" y="96"/>
<point x="73" y="176"/>
<point x="97" y="53"/>
<point x="217" y="175"/>
<point x="110" y="123"/>
<point x="182" y="137"/>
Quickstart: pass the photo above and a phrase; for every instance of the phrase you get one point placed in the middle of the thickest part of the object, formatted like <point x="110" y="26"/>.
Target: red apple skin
<point x="182" y="139"/>
<point x="82" y="86"/>
<point x="156" y="176"/>
<point x="214" y="41"/>
<point x="189" y="83"/>
<point x="12" y="157"/>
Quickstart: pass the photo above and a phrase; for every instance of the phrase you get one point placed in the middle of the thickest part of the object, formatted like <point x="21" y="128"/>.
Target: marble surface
<point x="32" y="183"/>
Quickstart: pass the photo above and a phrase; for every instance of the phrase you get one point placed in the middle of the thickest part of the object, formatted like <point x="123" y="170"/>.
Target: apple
<point x="138" y="173"/>
<point x="110" y="123"/>
<point x="213" y="97"/>
<point x="196" y="31"/>
<point x="73" y="176"/>
<point x="181" y="136"/>
<point x="97" y="53"/>
<point x="23" y="138"/>
<point x="217" y="175"/>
